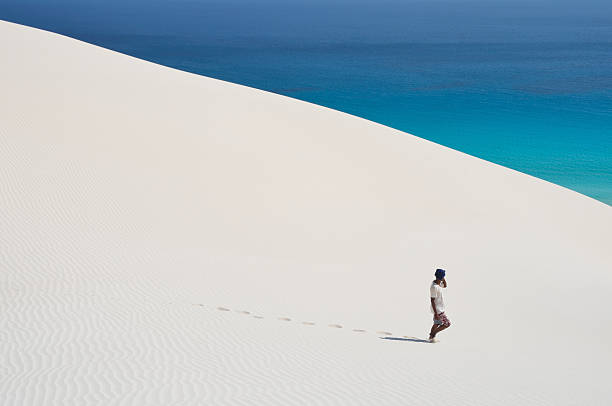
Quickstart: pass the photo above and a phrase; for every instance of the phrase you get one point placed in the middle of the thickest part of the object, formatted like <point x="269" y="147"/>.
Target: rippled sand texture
<point x="167" y="238"/>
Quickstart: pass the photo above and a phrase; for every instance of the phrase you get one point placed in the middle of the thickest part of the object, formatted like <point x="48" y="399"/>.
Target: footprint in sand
<point x="306" y="323"/>
<point x="198" y="304"/>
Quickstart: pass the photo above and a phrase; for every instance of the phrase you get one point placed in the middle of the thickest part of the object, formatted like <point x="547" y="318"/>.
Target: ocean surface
<point x="527" y="85"/>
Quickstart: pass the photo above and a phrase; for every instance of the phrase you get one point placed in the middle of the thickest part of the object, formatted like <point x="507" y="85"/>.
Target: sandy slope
<point x="136" y="200"/>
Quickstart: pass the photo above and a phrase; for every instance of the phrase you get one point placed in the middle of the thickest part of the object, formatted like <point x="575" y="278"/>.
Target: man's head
<point x="440" y="274"/>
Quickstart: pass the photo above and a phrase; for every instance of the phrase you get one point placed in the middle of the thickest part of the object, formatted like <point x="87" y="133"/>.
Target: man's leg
<point x="440" y="328"/>
<point x="445" y="323"/>
<point x="434" y="330"/>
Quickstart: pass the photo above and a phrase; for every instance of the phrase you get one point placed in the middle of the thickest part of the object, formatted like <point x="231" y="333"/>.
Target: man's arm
<point x="433" y="305"/>
<point x="444" y="282"/>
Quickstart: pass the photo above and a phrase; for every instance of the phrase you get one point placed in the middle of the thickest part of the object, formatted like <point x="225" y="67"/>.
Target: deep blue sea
<point x="527" y="85"/>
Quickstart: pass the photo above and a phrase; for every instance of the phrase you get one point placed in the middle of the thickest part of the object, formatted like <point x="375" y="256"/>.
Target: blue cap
<point x="440" y="273"/>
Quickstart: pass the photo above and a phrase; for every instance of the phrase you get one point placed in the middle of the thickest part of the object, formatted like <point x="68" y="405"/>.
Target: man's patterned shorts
<point x="442" y="320"/>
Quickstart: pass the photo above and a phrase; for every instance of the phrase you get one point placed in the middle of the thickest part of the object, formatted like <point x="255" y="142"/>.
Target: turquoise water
<point x="527" y="87"/>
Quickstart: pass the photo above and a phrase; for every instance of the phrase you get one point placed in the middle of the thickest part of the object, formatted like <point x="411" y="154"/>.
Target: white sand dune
<point x="167" y="239"/>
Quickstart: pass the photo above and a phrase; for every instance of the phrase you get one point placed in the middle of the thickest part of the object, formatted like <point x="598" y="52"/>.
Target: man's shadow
<point x="412" y="339"/>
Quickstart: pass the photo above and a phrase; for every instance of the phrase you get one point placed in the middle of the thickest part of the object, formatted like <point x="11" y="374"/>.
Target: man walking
<point x="441" y="322"/>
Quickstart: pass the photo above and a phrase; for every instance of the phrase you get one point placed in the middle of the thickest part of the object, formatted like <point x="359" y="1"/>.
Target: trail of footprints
<point x="287" y="319"/>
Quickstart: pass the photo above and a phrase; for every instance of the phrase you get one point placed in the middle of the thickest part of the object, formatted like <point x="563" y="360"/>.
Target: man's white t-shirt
<point x="435" y="292"/>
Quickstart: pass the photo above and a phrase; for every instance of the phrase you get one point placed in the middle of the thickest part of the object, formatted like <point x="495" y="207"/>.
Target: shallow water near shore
<point x="524" y="88"/>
